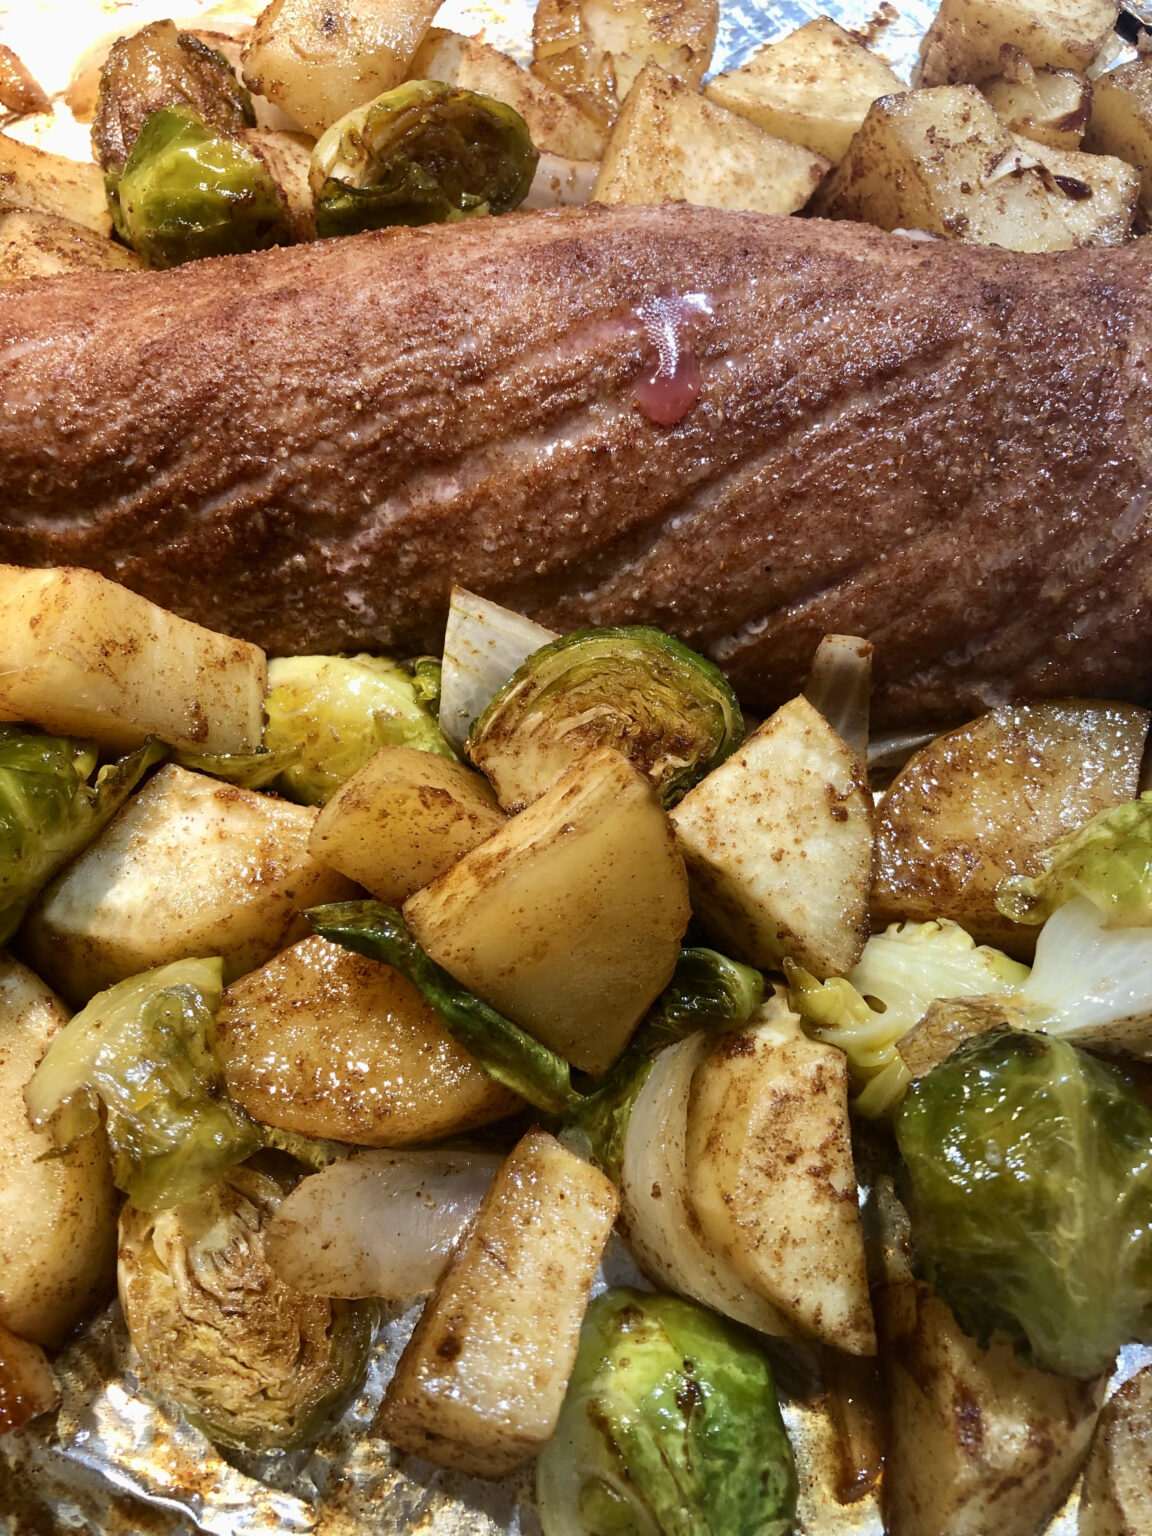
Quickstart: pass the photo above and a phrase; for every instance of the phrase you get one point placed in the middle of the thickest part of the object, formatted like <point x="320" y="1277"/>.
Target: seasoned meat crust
<point x="941" y="447"/>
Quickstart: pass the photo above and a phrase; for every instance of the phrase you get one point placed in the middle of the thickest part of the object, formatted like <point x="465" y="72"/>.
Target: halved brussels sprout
<point x="1030" y="1167"/>
<point x="336" y="711"/>
<point x="1108" y="860"/>
<point x="668" y="710"/>
<point x="253" y="1362"/>
<point x="424" y="153"/>
<point x="670" y="1428"/>
<point x="187" y="190"/>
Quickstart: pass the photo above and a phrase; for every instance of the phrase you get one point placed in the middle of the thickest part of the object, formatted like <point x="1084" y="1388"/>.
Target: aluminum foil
<point x="114" y="1462"/>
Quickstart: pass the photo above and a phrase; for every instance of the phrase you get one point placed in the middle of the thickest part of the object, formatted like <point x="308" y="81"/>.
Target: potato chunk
<point x="44" y="245"/>
<point x="189" y="867"/>
<point x="942" y="161"/>
<point x="1116" y="1499"/>
<point x="569" y="919"/>
<point x="778" y="844"/>
<point x="669" y="143"/>
<point x="45" y="183"/>
<point x="403" y="819"/>
<point x="318" y="59"/>
<point x="329" y="1043"/>
<point x="592" y="50"/>
<point x="813" y="87"/>
<point x="479" y="1386"/>
<point x="771" y="1176"/>
<point x="555" y="124"/>
<point x="26" y="1384"/>
<point x="1121" y="122"/>
<point x="965" y="39"/>
<point x="57" y="1214"/>
<point x="82" y="655"/>
<point x="1050" y="106"/>
<point x="981" y="802"/>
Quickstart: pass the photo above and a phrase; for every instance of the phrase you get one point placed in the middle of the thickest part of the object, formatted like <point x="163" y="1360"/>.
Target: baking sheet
<point x="111" y="1462"/>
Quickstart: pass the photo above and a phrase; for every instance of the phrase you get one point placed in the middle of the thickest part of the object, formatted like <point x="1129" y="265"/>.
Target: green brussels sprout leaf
<point x="1108" y="860"/>
<point x="670" y="711"/>
<point x="250" y="770"/>
<point x="424" y="153"/>
<point x="670" y="1427"/>
<point x="1030" y="1185"/>
<point x="512" y="1056"/>
<point x="188" y="191"/>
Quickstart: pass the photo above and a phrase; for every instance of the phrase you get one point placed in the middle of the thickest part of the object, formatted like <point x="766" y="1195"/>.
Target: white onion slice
<point x="660" y="1226"/>
<point x="483" y="645"/>
<point x="1092" y="984"/>
<point x="560" y="182"/>
<point x="380" y="1224"/>
<point x="839" y="685"/>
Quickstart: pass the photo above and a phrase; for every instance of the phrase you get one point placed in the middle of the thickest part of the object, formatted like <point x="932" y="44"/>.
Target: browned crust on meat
<point x="940" y="447"/>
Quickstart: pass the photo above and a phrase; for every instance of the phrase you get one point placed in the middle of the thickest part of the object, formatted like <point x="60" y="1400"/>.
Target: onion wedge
<point x="483" y="645"/>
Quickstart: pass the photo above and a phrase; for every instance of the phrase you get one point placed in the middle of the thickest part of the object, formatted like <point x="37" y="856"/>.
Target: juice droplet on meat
<point x="667" y="393"/>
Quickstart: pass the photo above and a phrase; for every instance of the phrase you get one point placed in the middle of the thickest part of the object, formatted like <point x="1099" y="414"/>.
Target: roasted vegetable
<point x="670" y="1428"/>
<point x="252" y="1361"/>
<point x="144" y="1050"/>
<point x="424" y="153"/>
<point x="51" y="808"/>
<point x="505" y="1050"/>
<point x="901" y="972"/>
<point x="336" y="711"/>
<point x="188" y="190"/>
<point x="668" y="710"/>
<point x="1030" y="1169"/>
<point x="157" y="67"/>
<point x="1108" y="860"/>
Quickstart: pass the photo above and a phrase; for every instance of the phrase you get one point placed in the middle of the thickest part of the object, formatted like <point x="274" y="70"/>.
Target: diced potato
<point x="569" y="919"/>
<point x="778" y="844"/>
<point x="45" y="183"/>
<point x="555" y="124"/>
<point x="669" y="143"/>
<point x="43" y="245"/>
<point x="20" y="92"/>
<point x="318" y="59"/>
<point x="965" y="39"/>
<point x="771" y="1176"/>
<point x="1121" y="122"/>
<point x="1050" y="106"/>
<point x="979" y="1441"/>
<point x="57" y="1214"/>
<point x="941" y="160"/>
<point x="26" y="1384"/>
<point x="813" y="87"/>
<point x="480" y="1385"/>
<point x="82" y="655"/>
<point x="329" y="1043"/>
<point x="1116" y="1497"/>
<point x="403" y="819"/>
<point x="288" y="158"/>
<point x="981" y="802"/>
<point x="592" y="50"/>
<point x="190" y="866"/>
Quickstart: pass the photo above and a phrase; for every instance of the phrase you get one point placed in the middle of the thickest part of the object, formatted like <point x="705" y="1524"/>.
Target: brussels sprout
<point x="636" y="689"/>
<point x="1108" y="860"/>
<point x="502" y="1048"/>
<point x="1030" y="1172"/>
<point x="50" y="812"/>
<point x="424" y="153"/>
<point x="253" y="1362"/>
<point x="144" y="1049"/>
<point x="188" y="190"/>
<point x="900" y="974"/>
<point x="336" y="711"/>
<point x="670" y="1428"/>
<point x="250" y="770"/>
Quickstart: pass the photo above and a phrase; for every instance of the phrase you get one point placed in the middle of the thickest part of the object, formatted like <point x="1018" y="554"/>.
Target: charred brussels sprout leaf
<point x="668" y="710"/>
<point x="187" y="190"/>
<point x="1030" y="1169"/>
<point x="50" y="812"/>
<point x="509" y="1053"/>
<point x="144" y="1049"/>
<point x="670" y="1428"/>
<point x="1108" y="860"/>
<point x="254" y="1363"/>
<point x="334" y="712"/>
<point x="424" y="153"/>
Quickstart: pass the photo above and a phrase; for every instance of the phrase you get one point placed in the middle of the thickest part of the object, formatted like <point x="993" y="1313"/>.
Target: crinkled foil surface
<point x="113" y="1462"/>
